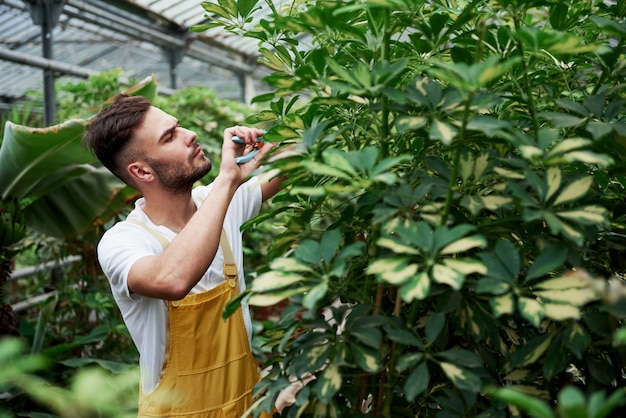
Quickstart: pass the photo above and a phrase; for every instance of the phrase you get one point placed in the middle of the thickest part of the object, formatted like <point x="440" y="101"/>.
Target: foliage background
<point x="456" y="209"/>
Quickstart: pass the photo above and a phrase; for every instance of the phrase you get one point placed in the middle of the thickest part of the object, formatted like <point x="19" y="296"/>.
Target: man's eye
<point x="172" y="135"/>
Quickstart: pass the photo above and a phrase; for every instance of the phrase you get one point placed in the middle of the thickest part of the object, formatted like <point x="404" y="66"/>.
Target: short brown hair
<point x="112" y="129"/>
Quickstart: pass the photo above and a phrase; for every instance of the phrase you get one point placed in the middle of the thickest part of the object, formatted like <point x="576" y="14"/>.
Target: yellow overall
<point x="209" y="368"/>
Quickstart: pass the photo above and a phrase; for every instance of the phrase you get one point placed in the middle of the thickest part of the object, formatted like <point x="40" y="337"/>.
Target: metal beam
<point x="45" y="13"/>
<point x="58" y="66"/>
<point x="89" y="13"/>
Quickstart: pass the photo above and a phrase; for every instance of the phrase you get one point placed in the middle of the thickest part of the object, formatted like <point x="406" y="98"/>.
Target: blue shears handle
<point x="245" y="158"/>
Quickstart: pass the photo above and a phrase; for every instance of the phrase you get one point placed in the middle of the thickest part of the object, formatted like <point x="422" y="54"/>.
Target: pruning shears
<point x="245" y="158"/>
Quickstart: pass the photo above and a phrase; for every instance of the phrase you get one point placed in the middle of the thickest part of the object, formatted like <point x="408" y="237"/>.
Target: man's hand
<point x="248" y="141"/>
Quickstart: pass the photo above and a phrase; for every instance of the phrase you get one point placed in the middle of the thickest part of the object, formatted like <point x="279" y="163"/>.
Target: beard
<point x="176" y="178"/>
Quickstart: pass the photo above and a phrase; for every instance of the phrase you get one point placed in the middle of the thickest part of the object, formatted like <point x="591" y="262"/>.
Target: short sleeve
<point x="120" y="247"/>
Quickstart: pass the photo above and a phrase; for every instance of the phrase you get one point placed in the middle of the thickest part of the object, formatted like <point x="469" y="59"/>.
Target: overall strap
<point x="162" y="240"/>
<point x="230" y="268"/>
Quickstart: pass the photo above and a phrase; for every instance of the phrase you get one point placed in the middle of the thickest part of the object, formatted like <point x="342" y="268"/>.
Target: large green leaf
<point x="547" y="261"/>
<point x="29" y="154"/>
<point x="417" y="382"/>
<point x="72" y="207"/>
<point x="535" y="407"/>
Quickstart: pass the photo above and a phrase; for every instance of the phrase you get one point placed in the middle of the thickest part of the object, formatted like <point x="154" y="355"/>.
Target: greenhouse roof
<point x="141" y="37"/>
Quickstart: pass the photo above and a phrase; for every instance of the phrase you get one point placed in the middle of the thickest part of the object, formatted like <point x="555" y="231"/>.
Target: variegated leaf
<point x="257" y="299"/>
<point x="396" y="246"/>
<point x="464" y="244"/>
<point x="466" y="265"/>
<point x="561" y="311"/>
<point x="554" y="223"/>
<point x="273" y="280"/>
<point x="367" y="358"/>
<point x="416" y="288"/>
<point x="509" y="174"/>
<point x="473" y="204"/>
<point x="578" y="297"/>
<point x="466" y="166"/>
<point x="408" y="360"/>
<point x="568" y="145"/>
<point x="588" y="157"/>
<point x="410" y="123"/>
<point x="554" y="181"/>
<point x="289" y="264"/>
<point x="443" y="132"/>
<point x="568" y="281"/>
<point x="461" y="378"/>
<point x="587" y="215"/>
<point x="392" y="270"/>
<point x="530" y="153"/>
<point x="495" y="202"/>
<point x="574" y="190"/>
<point x="481" y="164"/>
<point x="572" y="233"/>
<point x="531" y="310"/>
<point x="446" y="275"/>
<point x="311" y="297"/>
<point x="502" y="305"/>
<point x="329" y="382"/>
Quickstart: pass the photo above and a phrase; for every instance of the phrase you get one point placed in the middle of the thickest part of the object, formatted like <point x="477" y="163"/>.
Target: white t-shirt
<point x="146" y="318"/>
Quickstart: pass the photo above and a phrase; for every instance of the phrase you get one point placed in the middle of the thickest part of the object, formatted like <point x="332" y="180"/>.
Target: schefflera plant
<point x="450" y="241"/>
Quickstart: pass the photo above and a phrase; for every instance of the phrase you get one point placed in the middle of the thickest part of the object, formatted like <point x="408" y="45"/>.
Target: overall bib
<point x="209" y="368"/>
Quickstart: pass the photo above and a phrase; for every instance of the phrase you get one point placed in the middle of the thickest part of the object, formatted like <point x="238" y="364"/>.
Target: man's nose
<point x="190" y="136"/>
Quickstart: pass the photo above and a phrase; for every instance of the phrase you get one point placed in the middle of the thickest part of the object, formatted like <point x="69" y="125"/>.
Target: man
<point x="177" y="259"/>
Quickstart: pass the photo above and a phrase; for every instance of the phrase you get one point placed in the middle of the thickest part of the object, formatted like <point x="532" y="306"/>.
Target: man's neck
<point x="172" y="210"/>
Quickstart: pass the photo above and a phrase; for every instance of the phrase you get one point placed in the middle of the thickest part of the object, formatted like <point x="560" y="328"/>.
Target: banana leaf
<point x="74" y="206"/>
<point x="28" y="155"/>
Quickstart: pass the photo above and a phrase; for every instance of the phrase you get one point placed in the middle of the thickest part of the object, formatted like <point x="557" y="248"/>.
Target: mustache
<point x="194" y="152"/>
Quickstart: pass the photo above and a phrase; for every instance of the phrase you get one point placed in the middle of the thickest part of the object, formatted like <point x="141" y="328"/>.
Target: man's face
<point x="171" y="151"/>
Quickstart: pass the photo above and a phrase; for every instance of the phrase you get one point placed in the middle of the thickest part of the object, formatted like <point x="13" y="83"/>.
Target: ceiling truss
<point x="79" y="38"/>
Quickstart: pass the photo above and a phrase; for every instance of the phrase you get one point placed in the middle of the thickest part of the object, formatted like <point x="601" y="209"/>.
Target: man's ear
<point x="140" y="172"/>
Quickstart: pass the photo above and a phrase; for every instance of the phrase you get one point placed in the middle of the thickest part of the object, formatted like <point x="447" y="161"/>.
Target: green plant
<point x="80" y="98"/>
<point x="458" y="189"/>
<point x="93" y="390"/>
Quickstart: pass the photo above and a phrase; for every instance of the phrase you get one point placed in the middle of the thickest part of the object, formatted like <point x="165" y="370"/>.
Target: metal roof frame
<point x="142" y="37"/>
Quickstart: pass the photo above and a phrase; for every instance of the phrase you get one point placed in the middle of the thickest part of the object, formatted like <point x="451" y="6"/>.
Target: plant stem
<point x="392" y="360"/>
<point x="384" y="57"/>
<point x="606" y="71"/>
<point x="457" y="158"/>
<point x="527" y="86"/>
<point x="383" y="403"/>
